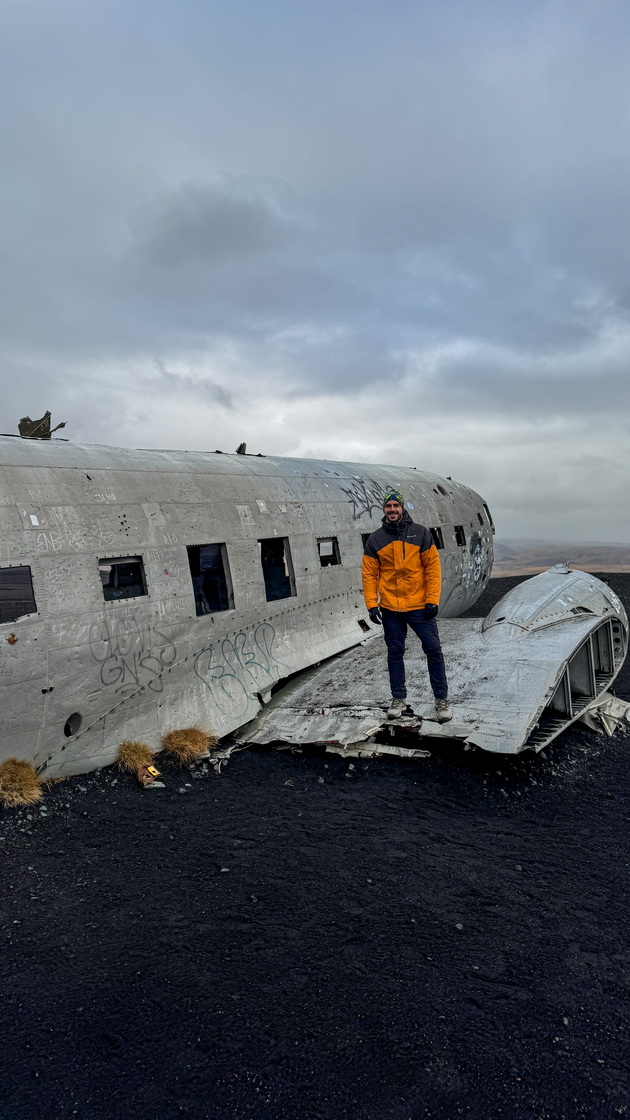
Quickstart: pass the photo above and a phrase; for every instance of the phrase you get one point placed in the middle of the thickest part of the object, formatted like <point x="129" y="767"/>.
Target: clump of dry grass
<point x="187" y="744"/>
<point x="20" y="784"/>
<point x="132" y="755"/>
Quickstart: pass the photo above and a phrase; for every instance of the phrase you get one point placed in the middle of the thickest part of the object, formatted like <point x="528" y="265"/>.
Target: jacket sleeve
<point x="433" y="574"/>
<point x="369" y="575"/>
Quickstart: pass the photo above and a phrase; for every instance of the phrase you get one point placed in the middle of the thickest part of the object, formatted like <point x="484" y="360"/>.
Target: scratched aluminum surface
<point x="140" y="667"/>
<point x="502" y="671"/>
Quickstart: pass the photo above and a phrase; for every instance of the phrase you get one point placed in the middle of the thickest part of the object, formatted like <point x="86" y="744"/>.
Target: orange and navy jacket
<point x="401" y="567"/>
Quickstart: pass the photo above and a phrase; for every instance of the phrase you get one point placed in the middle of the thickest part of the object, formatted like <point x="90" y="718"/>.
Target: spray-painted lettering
<point x="236" y="668"/>
<point x="130" y="656"/>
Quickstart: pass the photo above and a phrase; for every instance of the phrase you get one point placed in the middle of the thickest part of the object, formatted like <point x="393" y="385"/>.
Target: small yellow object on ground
<point x="147" y="774"/>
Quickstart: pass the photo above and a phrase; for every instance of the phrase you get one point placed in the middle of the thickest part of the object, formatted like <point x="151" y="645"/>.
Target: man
<point x="401" y="572"/>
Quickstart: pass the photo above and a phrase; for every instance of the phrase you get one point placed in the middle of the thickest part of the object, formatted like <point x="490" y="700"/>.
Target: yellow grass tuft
<point x="132" y="755"/>
<point x="20" y="784"/>
<point x="187" y="744"/>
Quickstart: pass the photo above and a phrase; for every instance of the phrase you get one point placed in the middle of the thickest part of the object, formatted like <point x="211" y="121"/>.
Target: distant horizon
<point x="522" y="556"/>
<point x="532" y="541"/>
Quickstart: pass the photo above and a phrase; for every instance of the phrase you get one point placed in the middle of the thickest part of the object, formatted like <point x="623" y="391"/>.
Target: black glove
<point x="375" y="616"/>
<point x="430" y="612"/>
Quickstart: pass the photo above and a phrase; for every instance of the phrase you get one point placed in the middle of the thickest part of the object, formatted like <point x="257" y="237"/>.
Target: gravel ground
<point x="296" y="938"/>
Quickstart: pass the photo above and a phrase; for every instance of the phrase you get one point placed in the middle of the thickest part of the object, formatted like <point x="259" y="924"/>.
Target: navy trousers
<point x="395" y="625"/>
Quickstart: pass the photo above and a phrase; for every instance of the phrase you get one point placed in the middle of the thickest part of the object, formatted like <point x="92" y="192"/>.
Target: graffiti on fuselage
<point x="234" y="669"/>
<point x="478" y="559"/>
<point x="129" y="656"/>
<point x="364" y="496"/>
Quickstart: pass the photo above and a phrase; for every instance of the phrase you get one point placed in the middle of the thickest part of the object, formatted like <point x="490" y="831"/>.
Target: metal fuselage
<point x="79" y="672"/>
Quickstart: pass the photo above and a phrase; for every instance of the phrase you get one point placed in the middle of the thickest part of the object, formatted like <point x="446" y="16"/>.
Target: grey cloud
<point x="209" y="224"/>
<point x="176" y="384"/>
<point x="430" y="205"/>
<point x="500" y="382"/>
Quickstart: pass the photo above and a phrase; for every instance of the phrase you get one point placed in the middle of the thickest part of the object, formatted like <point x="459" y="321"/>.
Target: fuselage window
<point x="365" y="538"/>
<point x="122" y="577"/>
<point x="460" y="535"/>
<point x="210" y="573"/>
<point x="489" y="516"/>
<point x="16" y="593"/>
<point x="438" y="538"/>
<point x="275" y="558"/>
<point x="328" y="548"/>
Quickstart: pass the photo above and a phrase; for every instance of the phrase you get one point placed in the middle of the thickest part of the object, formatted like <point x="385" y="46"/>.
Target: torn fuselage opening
<point x="587" y="674"/>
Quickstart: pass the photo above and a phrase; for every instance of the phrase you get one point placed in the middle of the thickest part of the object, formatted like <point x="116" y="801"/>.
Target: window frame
<point x="336" y="553"/>
<point x="24" y="614"/>
<point x="138" y="558"/>
<point x="460" y="535"/>
<point x="437" y="536"/>
<point x="288" y="562"/>
<point x="227" y="576"/>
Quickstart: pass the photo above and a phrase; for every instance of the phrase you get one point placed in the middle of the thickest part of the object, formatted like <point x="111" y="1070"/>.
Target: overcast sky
<point x="380" y="230"/>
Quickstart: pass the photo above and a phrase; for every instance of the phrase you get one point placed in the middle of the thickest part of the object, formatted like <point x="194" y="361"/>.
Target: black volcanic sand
<point x="297" y="938"/>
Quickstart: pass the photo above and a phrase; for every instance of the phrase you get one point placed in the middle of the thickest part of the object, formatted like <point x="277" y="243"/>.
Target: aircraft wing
<point x="543" y="656"/>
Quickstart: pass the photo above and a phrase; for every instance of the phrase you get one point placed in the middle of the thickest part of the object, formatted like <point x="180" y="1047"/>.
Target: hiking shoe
<point x="442" y="710"/>
<point x="396" y="707"/>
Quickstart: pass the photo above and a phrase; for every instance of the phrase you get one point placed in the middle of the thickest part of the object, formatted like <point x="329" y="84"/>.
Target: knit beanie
<point x="393" y="496"/>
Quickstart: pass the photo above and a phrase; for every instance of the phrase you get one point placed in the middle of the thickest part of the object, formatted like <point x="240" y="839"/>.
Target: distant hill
<point x="522" y="557"/>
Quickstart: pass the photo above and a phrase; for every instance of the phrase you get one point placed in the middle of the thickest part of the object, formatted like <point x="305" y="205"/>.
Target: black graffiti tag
<point x="129" y="656"/>
<point x="364" y="496"/>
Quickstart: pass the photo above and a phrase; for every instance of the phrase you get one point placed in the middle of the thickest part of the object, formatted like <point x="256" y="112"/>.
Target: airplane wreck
<point x="145" y="591"/>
